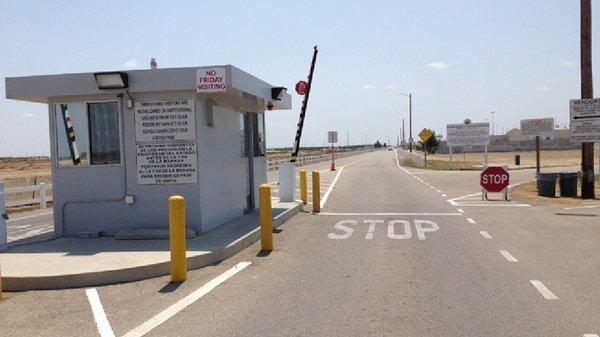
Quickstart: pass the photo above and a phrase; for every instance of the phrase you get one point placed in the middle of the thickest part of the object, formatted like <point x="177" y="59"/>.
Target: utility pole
<point x="493" y="131"/>
<point x="347" y="138"/>
<point x="410" y="139"/>
<point x="587" y="91"/>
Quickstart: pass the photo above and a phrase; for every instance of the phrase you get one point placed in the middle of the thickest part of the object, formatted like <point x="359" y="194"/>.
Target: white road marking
<point x="579" y="207"/>
<point x="337" y="176"/>
<point x="186" y="301"/>
<point x="543" y="290"/>
<point x="341" y="226"/>
<point x="99" y="315"/>
<point x="491" y="205"/>
<point x="385" y="214"/>
<point x="460" y="210"/>
<point x="407" y="232"/>
<point x="471" y="221"/>
<point x="485" y="235"/>
<point x="443" y="195"/>
<point x="508" y="256"/>
<point x="371" y="230"/>
<point x="590" y="335"/>
<point x="422" y="230"/>
<point x="439" y="191"/>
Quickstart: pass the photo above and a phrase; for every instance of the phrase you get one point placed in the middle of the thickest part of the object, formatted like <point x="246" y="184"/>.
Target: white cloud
<point x="390" y="87"/>
<point x="568" y="64"/>
<point x="131" y="64"/>
<point x="27" y="115"/>
<point x="438" y="65"/>
<point x="368" y="87"/>
<point x="544" y="89"/>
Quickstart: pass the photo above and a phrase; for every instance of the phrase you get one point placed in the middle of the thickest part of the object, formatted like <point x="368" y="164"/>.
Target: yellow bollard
<point x="316" y="192"/>
<point x="177" y="238"/>
<point x="303" y="193"/>
<point x="266" y="218"/>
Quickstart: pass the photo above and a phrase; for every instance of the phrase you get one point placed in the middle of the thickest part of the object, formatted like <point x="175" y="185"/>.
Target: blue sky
<point x="459" y="58"/>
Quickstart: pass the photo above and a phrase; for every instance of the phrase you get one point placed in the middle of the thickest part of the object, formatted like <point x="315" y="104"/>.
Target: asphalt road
<point x="395" y="252"/>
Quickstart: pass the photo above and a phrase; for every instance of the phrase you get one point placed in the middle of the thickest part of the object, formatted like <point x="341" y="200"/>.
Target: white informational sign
<point x="537" y="126"/>
<point x="585" y="120"/>
<point x="332" y="137"/>
<point x="211" y="80"/>
<point x="167" y="163"/>
<point x="468" y="134"/>
<point x="165" y="120"/>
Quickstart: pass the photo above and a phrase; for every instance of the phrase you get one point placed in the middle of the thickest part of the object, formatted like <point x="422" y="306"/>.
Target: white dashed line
<point x="543" y="290"/>
<point x="439" y="191"/>
<point x="485" y="235"/>
<point x="471" y="221"/>
<point x="508" y="256"/>
<point x="460" y="210"/>
<point x="590" y="335"/>
<point x="443" y="195"/>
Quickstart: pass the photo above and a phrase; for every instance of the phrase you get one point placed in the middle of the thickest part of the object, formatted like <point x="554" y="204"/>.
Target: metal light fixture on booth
<point x="112" y="80"/>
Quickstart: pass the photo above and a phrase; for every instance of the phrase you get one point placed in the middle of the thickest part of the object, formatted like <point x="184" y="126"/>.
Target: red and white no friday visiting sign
<point x="211" y="80"/>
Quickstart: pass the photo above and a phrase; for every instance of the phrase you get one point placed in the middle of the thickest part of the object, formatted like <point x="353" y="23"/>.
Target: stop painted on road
<point x="396" y="229"/>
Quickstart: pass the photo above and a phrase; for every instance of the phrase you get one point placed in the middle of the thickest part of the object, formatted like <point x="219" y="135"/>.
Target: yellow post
<point x="266" y="218"/>
<point x="303" y="187"/>
<point x="177" y="238"/>
<point x="316" y="192"/>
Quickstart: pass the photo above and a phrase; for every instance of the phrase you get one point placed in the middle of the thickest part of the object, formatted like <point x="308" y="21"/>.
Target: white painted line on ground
<point x="443" y="195"/>
<point x="28" y="217"/>
<point x="460" y="210"/>
<point x="492" y="205"/>
<point x="485" y="235"/>
<point x="471" y="221"/>
<point x="326" y="196"/>
<point x="508" y="256"/>
<point x="439" y="191"/>
<point x="385" y="214"/>
<point x="590" y="335"/>
<point x="578" y="207"/>
<point x="543" y="290"/>
<point x="185" y="302"/>
<point x="99" y="315"/>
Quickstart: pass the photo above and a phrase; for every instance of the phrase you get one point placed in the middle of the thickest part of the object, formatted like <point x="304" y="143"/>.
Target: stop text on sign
<point x="494" y="179"/>
<point x="211" y="80"/>
<point x="396" y="229"/>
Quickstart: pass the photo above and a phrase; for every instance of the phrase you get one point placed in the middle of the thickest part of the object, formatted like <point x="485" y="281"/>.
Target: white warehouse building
<point x="122" y="142"/>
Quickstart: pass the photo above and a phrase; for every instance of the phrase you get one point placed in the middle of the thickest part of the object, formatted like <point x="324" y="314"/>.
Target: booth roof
<point x="44" y="87"/>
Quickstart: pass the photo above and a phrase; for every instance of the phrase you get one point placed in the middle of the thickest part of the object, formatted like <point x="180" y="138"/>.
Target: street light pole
<point x="410" y="139"/>
<point x="493" y="131"/>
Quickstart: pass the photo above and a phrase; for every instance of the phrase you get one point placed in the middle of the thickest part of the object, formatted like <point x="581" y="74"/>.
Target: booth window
<point x="87" y="133"/>
<point x="245" y="139"/>
<point x="258" y="128"/>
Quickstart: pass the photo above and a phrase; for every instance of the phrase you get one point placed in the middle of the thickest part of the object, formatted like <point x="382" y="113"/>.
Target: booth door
<point x="247" y="163"/>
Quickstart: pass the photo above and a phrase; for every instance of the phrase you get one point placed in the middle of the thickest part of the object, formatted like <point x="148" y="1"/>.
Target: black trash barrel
<point x="546" y="184"/>
<point x="517" y="159"/>
<point x="568" y="184"/>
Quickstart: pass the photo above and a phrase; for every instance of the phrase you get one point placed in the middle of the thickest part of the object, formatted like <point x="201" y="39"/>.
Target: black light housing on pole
<point x="112" y="80"/>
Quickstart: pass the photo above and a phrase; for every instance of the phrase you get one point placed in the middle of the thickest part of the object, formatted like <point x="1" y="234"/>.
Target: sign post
<point x="536" y="127"/>
<point x="332" y="138"/>
<point x="425" y="135"/>
<point x="585" y="129"/>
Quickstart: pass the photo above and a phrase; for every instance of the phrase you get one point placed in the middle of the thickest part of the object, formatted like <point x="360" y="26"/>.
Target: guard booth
<point x="123" y="142"/>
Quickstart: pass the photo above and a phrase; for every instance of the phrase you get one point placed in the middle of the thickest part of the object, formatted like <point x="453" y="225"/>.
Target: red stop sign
<point x="301" y="87"/>
<point x="494" y="179"/>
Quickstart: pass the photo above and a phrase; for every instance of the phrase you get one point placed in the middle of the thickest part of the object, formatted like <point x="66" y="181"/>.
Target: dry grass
<point x="16" y="172"/>
<point x="548" y="158"/>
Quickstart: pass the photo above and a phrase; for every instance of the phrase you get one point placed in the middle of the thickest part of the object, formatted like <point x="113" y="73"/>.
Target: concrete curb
<point x="139" y="273"/>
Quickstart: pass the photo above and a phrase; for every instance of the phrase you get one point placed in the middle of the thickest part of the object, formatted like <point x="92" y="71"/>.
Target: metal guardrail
<point x="39" y="195"/>
<point x="273" y="164"/>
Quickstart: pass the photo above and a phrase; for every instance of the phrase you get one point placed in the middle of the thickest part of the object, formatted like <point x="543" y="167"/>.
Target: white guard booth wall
<point x="119" y="153"/>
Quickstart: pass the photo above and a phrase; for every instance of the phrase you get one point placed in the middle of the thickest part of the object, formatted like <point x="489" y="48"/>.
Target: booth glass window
<point x="245" y="139"/>
<point x="87" y="134"/>
<point x="71" y="134"/>
<point x="105" y="144"/>
<point x="258" y="128"/>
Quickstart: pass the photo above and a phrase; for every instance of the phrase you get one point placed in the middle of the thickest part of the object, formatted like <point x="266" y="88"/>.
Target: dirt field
<point x="528" y="193"/>
<point x="548" y="158"/>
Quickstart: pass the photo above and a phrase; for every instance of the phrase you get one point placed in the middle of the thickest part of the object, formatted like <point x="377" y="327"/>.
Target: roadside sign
<point x="468" y="134"/>
<point x="585" y="120"/>
<point x="425" y="135"/>
<point x="211" y="80"/>
<point x="537" y="126"/>
<point x="494" y="178"/>
<point x="301" y="87"/>
<point x="332" y="137"/>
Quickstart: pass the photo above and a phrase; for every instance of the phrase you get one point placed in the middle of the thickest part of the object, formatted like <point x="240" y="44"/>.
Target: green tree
<point x="377" y="144"/>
